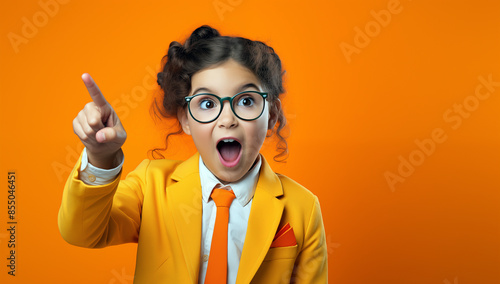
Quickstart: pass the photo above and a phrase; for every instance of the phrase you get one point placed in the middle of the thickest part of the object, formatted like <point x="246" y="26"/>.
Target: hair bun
<point x="175" y="49"/>
<point x="201" y="33"/>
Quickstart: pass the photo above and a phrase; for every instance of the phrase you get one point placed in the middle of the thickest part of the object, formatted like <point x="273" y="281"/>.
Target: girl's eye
<point x="207" y="103"/>
<point x="246" y="101"/>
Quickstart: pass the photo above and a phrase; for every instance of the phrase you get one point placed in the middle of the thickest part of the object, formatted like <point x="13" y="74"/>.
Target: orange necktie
<point x="217" y="262"/>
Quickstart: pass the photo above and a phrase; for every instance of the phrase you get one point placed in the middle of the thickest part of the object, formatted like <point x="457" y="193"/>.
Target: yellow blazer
<point x="159" y="206"/>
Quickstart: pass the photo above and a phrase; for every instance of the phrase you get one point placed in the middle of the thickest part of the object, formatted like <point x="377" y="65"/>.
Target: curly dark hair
<point x="204" y="48"/>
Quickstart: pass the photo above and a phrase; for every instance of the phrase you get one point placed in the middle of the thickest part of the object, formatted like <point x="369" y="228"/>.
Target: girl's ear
<point x="274" y="110"/>
<point x="182" y="116"/>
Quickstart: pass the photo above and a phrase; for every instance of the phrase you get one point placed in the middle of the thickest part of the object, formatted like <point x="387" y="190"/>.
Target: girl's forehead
<point x="229" y="66"/>
<point x="229" y="76"/>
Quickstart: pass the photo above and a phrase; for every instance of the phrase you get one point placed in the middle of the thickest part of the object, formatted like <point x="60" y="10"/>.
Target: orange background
<point x="352" y="119"/>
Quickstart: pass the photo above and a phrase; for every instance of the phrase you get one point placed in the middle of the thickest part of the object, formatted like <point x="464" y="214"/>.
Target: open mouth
<point x="229" y="152"/>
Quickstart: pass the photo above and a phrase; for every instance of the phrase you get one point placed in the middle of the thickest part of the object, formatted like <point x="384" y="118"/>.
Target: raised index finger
<point x="94" y="91"/>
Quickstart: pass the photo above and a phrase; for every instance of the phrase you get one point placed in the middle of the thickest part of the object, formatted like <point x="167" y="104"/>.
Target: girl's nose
<point x="227" y="118"/>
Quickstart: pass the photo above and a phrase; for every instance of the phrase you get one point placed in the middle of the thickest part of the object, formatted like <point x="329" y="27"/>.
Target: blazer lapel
<point x="184" y="200"/>
<point x="263" y="223"/>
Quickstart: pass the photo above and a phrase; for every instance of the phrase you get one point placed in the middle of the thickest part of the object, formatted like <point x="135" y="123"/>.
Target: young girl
<point x="222" y="216"/>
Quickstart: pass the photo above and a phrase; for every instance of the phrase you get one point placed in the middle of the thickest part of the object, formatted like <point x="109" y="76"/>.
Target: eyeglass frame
<point x="221" y="101"/>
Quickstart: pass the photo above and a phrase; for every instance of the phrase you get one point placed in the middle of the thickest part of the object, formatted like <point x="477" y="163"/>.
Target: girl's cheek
<point x="259" y="137"/>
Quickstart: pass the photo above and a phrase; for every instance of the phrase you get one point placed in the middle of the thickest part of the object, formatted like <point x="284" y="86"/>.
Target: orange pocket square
<point x="284" y="238"/>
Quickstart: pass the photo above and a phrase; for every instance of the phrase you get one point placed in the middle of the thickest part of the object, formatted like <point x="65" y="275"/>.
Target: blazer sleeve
<point x="311" y="265"/>
<point x="96" y="216"/>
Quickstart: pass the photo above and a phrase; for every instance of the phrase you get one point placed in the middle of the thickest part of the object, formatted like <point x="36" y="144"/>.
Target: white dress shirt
<point x="239" y="211"/>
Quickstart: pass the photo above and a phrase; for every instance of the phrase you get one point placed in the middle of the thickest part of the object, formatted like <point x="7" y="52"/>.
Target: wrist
<point x="106" y="162"/>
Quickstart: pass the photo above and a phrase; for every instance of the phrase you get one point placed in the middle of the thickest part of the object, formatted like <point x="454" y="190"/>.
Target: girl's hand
<point x="99" y="129"/>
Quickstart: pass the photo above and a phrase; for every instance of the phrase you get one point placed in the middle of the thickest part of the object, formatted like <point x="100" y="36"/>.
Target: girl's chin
<point x="228" y="175"/>
<point x="229" y="178"/>
<point x="234" y="173"/>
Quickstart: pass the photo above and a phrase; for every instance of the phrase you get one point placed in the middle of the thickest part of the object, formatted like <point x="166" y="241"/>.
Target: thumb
<point x="110" y="134"/>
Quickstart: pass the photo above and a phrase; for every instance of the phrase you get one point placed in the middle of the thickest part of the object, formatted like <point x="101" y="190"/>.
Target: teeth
<point x="228" y="140"/>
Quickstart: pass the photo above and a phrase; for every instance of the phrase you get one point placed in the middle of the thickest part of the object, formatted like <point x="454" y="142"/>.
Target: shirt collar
<point x="243" y="189"/>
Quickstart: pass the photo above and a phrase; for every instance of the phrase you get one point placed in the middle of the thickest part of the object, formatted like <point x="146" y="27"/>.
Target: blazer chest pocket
<point x="281" y="253"/>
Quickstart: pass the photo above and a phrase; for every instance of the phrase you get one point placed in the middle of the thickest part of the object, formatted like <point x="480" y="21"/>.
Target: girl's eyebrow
<point x="207" y="90"/>
<point x="246" y="86"/>
<point x="241" y="89"/>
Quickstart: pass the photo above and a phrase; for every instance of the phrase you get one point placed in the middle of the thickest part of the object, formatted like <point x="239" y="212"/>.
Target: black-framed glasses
<point x="206" y="107"/>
